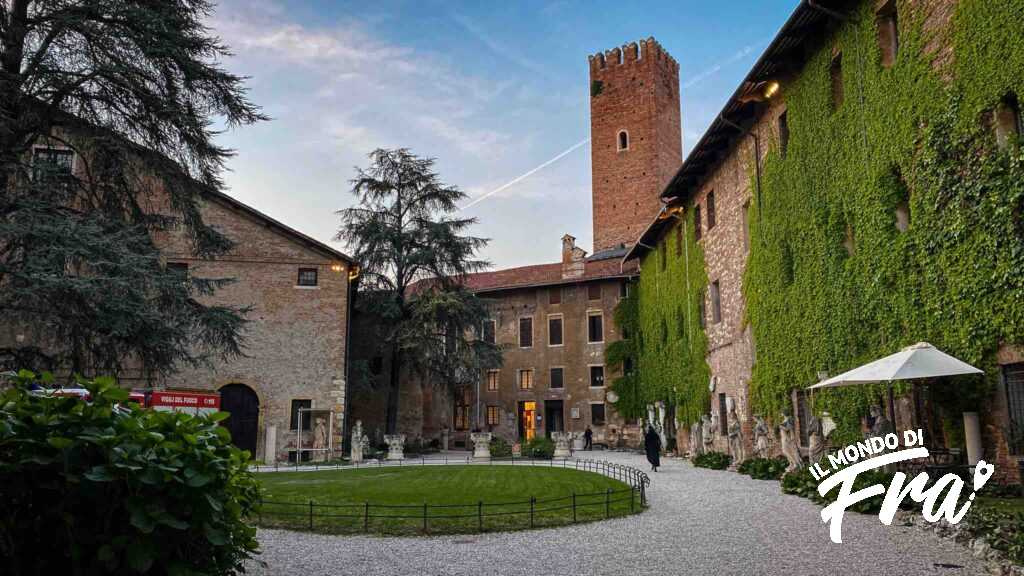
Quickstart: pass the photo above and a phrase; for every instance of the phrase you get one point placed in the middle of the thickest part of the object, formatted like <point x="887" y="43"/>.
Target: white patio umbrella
<point x="921" y="360"/>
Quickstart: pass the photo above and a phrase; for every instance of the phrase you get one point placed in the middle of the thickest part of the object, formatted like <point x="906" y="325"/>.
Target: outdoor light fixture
<point x="353" y="272"/>
<point x="337" y="267"/>
<point x="770" y="89"/>
<point x="760" y="91"/>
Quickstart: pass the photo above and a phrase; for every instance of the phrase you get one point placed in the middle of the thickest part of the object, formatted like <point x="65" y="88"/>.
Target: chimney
<point x="573" y="258"/>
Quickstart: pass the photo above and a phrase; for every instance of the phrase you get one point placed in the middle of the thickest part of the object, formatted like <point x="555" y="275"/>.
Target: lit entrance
<point x="527" y="420"/>
<point x="554" y="419"/>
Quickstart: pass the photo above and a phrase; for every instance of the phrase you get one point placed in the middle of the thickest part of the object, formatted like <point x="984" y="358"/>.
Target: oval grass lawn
<point x="391" y="499"/>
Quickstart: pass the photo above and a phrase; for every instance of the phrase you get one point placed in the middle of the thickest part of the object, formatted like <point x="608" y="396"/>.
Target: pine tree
<point x="415" y="255"/>
<point x="133" y="88"/>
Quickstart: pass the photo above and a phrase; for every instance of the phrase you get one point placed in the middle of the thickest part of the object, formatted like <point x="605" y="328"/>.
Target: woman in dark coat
<point x="652" y="445"/>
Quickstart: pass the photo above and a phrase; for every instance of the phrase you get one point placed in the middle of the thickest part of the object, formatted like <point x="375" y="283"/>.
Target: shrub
<point x="763" y="468"/>
<point x="500" y="448"/>
<point x="540" y="447"/>
<point x="801" y="483"/>
<point x="101" y="488"/>
<point x="712" y="460"/>
<point x="1004" y="531"/>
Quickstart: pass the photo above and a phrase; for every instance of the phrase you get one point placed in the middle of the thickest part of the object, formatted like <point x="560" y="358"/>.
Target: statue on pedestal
<point x="815" y="440"/>
<point x="696" y="440"/>
<point x="882" y="425"/>
<point x="320" y="440"/>
<point x="396" y="446"/>
<point x="481" y="445"/>
<point x="359" y="441"/>
<point x="562" y="441"/>
<point x="708" y="433"/>
<point x="735" y="436"/>
<point x="762" y="437"/>
<point x="790" y="446"/>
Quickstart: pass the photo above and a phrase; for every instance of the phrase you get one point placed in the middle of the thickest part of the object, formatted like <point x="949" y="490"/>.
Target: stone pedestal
<point x="481" y="445"/>
<point x="396" y="446"/>
<point x="444" y="441"/>
<point x="562" y="440"/>
<point x="270" y="445"/>
<point x="578" y="442"/>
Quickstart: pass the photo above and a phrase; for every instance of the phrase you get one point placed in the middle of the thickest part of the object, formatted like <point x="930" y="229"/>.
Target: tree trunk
<point x="391" y="422"/>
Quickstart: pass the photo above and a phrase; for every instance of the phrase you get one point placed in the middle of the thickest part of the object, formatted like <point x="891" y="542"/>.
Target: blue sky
<point x="491" y="90"/>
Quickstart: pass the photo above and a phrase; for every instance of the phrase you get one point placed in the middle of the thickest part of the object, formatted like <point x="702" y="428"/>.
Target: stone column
<point x="270" y="445"/>
<point x="396" y="446"/>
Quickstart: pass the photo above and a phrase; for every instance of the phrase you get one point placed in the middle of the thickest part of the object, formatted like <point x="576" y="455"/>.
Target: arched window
<point x="623" y="140"/>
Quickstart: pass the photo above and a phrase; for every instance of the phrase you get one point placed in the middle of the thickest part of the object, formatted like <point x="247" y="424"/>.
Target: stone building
<point x="295" y="341"/>
<point x="719" y="187"/>
<point x="555" y="319"/>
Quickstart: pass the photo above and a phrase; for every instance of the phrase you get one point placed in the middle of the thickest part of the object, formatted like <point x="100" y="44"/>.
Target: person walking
<point x="652" y="446"/>
<point x="588" y="438"/>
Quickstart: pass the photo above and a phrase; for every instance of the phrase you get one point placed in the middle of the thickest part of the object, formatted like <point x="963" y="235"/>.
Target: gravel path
<point x="700" y="522"/>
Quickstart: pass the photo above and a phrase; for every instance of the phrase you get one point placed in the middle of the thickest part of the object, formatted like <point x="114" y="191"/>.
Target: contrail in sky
<point x="525" y="175"/>
<point x="715" y="68"/>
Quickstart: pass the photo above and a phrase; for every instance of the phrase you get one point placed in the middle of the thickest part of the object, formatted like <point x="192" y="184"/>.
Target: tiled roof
<point x="545" y="275"/>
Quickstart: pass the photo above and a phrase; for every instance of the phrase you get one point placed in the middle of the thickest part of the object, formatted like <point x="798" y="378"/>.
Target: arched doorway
<point x="244" y="406"/>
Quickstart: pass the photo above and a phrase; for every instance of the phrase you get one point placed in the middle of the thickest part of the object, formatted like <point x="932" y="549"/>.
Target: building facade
<point x="808" y="197"/>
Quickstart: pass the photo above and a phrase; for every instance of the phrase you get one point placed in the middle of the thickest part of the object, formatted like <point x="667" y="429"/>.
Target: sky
<point x="497" y="93"/>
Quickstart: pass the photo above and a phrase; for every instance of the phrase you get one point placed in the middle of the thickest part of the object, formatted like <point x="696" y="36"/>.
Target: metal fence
<point x="461" y="518"/>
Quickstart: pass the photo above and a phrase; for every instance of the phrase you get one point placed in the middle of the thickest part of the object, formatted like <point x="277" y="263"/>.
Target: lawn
<point x="391" y="499"/>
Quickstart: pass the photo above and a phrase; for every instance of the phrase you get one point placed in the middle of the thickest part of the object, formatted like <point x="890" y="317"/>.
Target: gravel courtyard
<point x="700" y="522"/>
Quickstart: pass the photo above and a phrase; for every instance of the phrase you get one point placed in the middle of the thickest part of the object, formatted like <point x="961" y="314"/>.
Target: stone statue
<point x="320" y="439"/>
<point x="396" y="446"/>
<point x="882" y="425"/>
<point x="708" y="433"/>
<point x="735" y="436"/>
<point x="444" y="439"/>
<point x="481" y="445"/>
<point x="562" y="440"/>
<point x="696" y="440"/>
<point x="815" y="440"/>
<point x="358" y="441"/>
<point x="762" y="437"/>
<point x="790" y="445"/>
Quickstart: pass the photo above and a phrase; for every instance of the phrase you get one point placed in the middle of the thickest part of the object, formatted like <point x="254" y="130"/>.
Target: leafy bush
<point x="500" y="448"/>
<point x="801" y="483"/>
<point x="1004" y="531"/>
<point x="101" y="488"/>
<point x="540" y="447"/>
<point x="763" y="468"/>
<point x="713" y="460"/>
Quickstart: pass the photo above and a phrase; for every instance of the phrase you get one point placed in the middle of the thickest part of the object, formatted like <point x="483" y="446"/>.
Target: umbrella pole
<point x="892" y="407"/>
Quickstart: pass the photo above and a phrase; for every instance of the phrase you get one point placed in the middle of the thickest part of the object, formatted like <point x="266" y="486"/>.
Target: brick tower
<point x="636" y="142"/>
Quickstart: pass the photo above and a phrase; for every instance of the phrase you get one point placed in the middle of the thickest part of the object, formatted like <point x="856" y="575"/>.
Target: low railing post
<point x="573" y="507"/>
<point x="366" y="517"/>
<point x="424" y="517"/>
<point x="533" y="502"/>
<point x="480" y="515"/>
<point x="607" y="503"/>
<point x="632" y="494"/>
<point x="310" y="514"/>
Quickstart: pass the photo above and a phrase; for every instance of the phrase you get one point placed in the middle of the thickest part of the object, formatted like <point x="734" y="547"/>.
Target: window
<point x="492" y="380"/>
<point x="526" y="379"/>
<point x="597" y="414"/>
<point x="460" y="412"/>
<point x="557" y="377"/>
<point x="488" y="331"/>
<point x="623" y="140"/>
<point x="594" y="291"/>
<point x="555" y="296"/>
<point x="624" y="289"/>
<point x="597" y="376"/>
<point x="1013" y="378"/>
<point x="1008" y="120"/>
<point x="711" y="209"/>
<point x="526" y="332"/>
<point x="554" y="331"/>
<point x="888" y="33"/>
<point x="52" y="164"/>
<point x="679" y="240"/>
<point x="716" y="303"/>
<point x="492" y="415"/>
<point x="307" y="277"/>
<point x="746" y="225"/>
<point x="627" y="365"/>
<point x="697" y="231"/>
<point x="595" y="327"/>
<point x="783" y="134"/>
<point x="723" y="415"/>
<point x="178" y="268"/>
<point x="835" y="73"/>
<point x="300" y="405"/>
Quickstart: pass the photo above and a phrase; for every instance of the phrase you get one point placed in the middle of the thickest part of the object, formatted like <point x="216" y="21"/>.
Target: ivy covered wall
<point x="661" y="318"/>
<point x="834" y="278"/>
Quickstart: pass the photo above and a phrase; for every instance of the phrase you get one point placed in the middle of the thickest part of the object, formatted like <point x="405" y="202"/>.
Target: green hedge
<point x="105" y="487"/>
<point x="712" y="460"/>
<point x="763" y="468"/>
